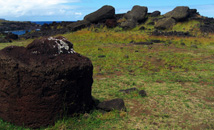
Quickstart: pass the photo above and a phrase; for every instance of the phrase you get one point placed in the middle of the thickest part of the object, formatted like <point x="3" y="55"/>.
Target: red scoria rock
<point x="43" y="82"/>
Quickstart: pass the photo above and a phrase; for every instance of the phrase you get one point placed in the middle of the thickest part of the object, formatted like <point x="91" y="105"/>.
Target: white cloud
<point x="27" y="8"/>
<point x="78" y="13"/>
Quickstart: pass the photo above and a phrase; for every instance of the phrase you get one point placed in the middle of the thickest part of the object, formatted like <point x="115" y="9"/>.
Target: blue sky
<point x="72" y="10"/>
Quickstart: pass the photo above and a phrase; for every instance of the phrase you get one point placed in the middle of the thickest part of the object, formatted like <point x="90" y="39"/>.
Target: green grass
<point x="178" y="80"/>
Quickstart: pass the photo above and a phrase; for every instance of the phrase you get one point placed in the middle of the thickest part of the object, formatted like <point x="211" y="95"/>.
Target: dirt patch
<point x="203" y="127"/>
<point x="138" y="109"/>
<point x="209" y="96"/>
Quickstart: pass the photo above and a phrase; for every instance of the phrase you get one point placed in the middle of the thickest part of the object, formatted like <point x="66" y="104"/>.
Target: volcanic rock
<point x="44" y="82"/>
<point x="155" y="14"/>
<point x="78" y="25"/>
<point x="208" y="26"/>
<point x="179" y="13"/>
<point x="165" y="23"/>
<point x="119" y="16"/>
<point x="138" y="13"/>
<point x="111" y="23"/>
<point x="106" y="12"/>
<point x="129" y="23"/>
<point x="115" y="104"/>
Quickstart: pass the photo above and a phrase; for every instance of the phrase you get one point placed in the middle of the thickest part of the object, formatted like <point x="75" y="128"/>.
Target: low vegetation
<point x="176" y="72"/>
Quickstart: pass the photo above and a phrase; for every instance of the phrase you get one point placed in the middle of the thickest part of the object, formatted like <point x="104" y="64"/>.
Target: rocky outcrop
<point x="106" y="12"/>
<point x="12" y="26"/>
<point x="11" y="36"/>
<point x="49" y="30"/>
<point x="165" y="23"/>
<point x="44" y="82"/>
<point x="8" y="37"/>
<point x="208" y="26"/>
<point x="179" y="13"/>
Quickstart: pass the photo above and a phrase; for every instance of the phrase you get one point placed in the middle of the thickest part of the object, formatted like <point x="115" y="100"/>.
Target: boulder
<point x="111" y="23"/>
<point x="165" y="23"/>
<point x="194" y="14"/>
<point x="119" y="16"/>
<point x="44" y="82"/>
<point x="106" y="12"/>
<point x="114" y="104"/>
<point x="11" y="36"/>
<point x="137" y="13"/>
<point x="155" y="14"/>
<point x="78" y="25"/>
<point x="179" y="13"/>
<point x="129" y="23"/>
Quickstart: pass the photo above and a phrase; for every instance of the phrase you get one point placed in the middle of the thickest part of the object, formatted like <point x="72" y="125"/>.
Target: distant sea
<point x="45" y="22"/>
<point x="21" y="32"/>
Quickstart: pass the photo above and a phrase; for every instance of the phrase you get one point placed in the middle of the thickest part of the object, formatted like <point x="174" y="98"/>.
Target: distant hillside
<point x="15" y="25"/>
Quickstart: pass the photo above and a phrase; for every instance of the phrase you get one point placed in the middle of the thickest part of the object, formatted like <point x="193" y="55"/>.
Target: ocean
<point x="21" y="32"/>
<point x="45" y="22"/>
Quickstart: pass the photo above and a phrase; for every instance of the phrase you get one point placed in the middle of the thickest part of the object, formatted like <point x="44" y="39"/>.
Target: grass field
<point x="177" y="73"/>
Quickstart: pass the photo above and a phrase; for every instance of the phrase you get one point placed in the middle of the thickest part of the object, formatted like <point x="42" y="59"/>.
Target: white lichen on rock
<point x="62" y="45"/>
<point x="51" y="38"/>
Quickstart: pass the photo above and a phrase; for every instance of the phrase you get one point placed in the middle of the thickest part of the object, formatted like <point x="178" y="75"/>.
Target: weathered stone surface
<point x="193" y="12"/>
<point x="165" y="23"/>
<point x="115" y="104"/>
<point x="106" y="12"/>
<point x="129" y="23"/>
<point x="43" y="82"/>
<point x="119" y="16"/>
<point x="137" y="13"/>
<point x="179" y="13"/>
<point x="111" y="23"/>
<point x="155" y="14"/>
<point x="78" y="25"/>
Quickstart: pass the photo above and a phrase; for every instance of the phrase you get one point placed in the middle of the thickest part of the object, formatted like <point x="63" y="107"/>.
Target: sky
<point x="72" y="10"/>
